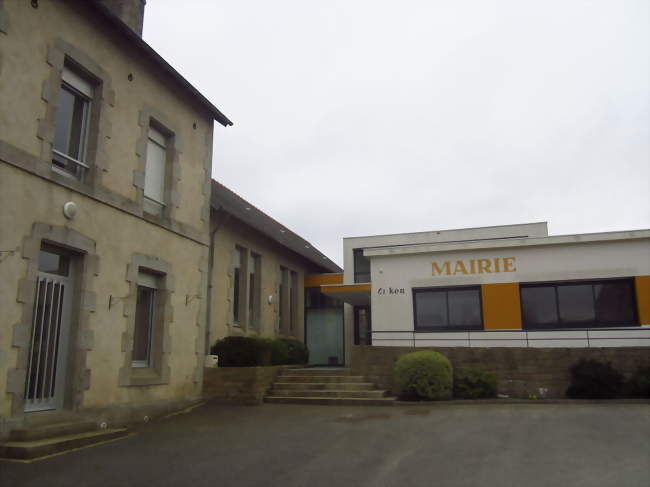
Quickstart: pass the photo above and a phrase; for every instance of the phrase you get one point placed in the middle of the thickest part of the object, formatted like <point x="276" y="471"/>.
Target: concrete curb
<point x="478" y="402"/>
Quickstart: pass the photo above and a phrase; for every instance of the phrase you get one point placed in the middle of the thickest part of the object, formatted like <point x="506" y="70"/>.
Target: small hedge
<point x="279" y="352"/>
<point x="474" y="383"/>
<point x="424" y="375"/>
<point x="298" y="351"/>
<point x="239" y="351"/>
<point x="591" y="379"/>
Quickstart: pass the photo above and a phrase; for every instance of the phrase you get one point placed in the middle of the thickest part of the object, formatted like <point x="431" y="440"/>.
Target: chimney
<point x="131" y="12"/>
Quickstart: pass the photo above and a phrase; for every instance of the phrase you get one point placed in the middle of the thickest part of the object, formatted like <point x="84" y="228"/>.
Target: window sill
<point x="143" y="376"/>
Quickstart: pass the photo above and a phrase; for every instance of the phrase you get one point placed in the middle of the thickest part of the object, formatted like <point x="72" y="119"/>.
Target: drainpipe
<point x="208" y="320"/>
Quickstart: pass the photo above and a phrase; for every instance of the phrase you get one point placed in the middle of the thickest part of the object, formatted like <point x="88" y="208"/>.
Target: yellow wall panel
<point x="501" y="306"/>
<point x="642" y="286"/>
<point x="316" y="280"/>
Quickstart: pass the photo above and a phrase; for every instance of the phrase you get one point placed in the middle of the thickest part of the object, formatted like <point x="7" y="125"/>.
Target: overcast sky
<point x="363" y="117"/>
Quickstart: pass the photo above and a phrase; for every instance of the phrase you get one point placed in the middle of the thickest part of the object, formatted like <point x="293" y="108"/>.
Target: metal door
<point x="50" y="336"/>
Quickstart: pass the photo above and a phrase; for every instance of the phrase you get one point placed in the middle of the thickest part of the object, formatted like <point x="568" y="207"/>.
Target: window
<point x="71" y="124"/>
<point x="254" y="287"/>
<point x="237" y="288"/>
<point x="155" y="172"/>
<point x="282" y="298"/>
<point x="293" y="301"/>
<point x="145" y="316"/>
<point x="578" y="304"/>
<point x="449" y="309"/>
<point x="361" y="266"/>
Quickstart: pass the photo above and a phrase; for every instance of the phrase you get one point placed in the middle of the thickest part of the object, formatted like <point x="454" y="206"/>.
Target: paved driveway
<point x="442" y="445"/>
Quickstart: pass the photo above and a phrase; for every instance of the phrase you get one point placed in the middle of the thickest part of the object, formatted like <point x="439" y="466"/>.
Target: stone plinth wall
<point x="241" y="385"/>
<point x="520" y="371"/>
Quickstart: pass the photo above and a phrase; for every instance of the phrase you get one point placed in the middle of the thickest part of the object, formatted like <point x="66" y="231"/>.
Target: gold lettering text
<point x="484" y="266"/>
<point x="444" y="269"/>
<point x="509" y="264"/>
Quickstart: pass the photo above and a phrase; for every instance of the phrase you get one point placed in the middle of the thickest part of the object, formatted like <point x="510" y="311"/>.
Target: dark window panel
<point x="431" y="309"/>
<point x="143" y="324"/>
<point x="576" y="304"/>
<point x="464" y="308"/>
<point x="614" y="302"/>
<point x="361" y="266"/>
<point x="539" y="307"/>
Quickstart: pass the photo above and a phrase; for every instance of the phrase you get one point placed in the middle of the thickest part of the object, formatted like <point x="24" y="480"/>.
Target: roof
<point x="138" y="43"/>
<point x="225" y="199"/>
<point x="580" y="238"/>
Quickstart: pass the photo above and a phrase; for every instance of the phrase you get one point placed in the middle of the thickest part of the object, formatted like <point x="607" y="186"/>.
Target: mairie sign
<point x="474" y="266"/>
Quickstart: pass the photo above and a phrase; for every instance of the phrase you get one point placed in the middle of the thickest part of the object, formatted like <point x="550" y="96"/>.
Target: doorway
<point x="362" y="326"/>
<point x="51" y="324"/>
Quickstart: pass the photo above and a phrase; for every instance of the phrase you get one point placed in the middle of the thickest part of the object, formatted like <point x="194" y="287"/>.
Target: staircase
<point x="325" y="386"/>
<point x="44" y="440"/>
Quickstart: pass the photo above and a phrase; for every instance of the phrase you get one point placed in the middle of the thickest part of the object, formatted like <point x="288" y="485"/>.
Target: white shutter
<point x="148" y="280"/>
<point x="77" y="82"/>
<point x="154" y="177"/>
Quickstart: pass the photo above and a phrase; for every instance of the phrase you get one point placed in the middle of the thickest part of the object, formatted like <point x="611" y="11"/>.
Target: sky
<point x="366" y="117"/>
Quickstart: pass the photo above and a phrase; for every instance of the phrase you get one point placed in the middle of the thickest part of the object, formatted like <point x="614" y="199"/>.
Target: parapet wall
<point x="520" y="371"/>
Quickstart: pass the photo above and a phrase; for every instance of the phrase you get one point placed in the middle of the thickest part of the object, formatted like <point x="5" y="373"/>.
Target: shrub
<point x="591" y="379"/>
<point x="474" y="382"/>
<point x="639" y="385"/>
<point x="242" y="351"/>
<point x="279" y="352"/>
<point x="424" y="375"/>
<point x="298" y="351"/>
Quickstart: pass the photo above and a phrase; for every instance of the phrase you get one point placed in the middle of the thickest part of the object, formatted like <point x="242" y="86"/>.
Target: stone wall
<point x="239" y="385"/>
<point x="520" y="371"/>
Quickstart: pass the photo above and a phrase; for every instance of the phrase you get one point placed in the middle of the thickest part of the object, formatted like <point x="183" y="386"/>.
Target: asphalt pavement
<point x="497" y="445"/>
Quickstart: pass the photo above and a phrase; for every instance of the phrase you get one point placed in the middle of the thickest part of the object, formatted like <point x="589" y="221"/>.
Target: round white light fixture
<point x="70" y="210"/>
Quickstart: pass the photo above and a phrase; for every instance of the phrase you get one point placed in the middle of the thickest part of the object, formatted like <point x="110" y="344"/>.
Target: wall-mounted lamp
<point x="270" y="299"/>
<point x="70" y="210"/>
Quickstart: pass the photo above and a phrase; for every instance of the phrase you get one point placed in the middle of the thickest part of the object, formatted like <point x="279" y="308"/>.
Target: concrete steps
<point x="327" y="387"/>
<point x="35" y="442"/>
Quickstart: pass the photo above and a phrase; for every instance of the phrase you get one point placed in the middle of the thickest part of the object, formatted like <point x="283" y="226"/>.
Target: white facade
<point x="491" y="255"/>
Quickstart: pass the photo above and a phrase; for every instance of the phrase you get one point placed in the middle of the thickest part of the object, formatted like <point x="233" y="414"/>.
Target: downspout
<point x="208" y="321"/>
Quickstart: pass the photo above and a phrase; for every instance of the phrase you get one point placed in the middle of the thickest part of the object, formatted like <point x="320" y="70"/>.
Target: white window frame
<point x="82" y="88"/>
<point x="149" y="281"/>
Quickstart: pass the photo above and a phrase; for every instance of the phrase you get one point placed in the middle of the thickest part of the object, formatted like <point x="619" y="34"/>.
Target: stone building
<point x="105" y="164"/>
<point x="258" y="270"/>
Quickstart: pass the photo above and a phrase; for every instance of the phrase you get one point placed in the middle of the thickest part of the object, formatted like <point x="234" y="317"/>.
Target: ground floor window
<point x="144" y="320"/>
<point x="578" y="304"/>
<point x="448" y="309"/>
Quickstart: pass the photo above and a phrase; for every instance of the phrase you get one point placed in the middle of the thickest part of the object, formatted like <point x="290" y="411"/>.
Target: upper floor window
<point x="361" y="266"/>
<point x="578" y="304"/>
<point x="155" y="172"/>
<point x="72" y="121"/>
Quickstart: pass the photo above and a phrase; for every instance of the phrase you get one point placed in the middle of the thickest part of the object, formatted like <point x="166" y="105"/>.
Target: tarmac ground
<point x="286" y="445"/>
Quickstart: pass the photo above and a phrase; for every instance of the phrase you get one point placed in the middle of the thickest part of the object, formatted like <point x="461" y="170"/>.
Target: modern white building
<point x="503" y="286"/>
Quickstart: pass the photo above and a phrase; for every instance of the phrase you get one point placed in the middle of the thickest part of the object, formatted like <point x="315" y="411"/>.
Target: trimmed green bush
<point x="423" y="375"/>
<point x="639" y="385"/>
<point x="237" y="351"/>
<point x="591" y="379"/>
<point x="279" y="352"/>
<point x="298" y="351"/>
<point x="474" y="383"/>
